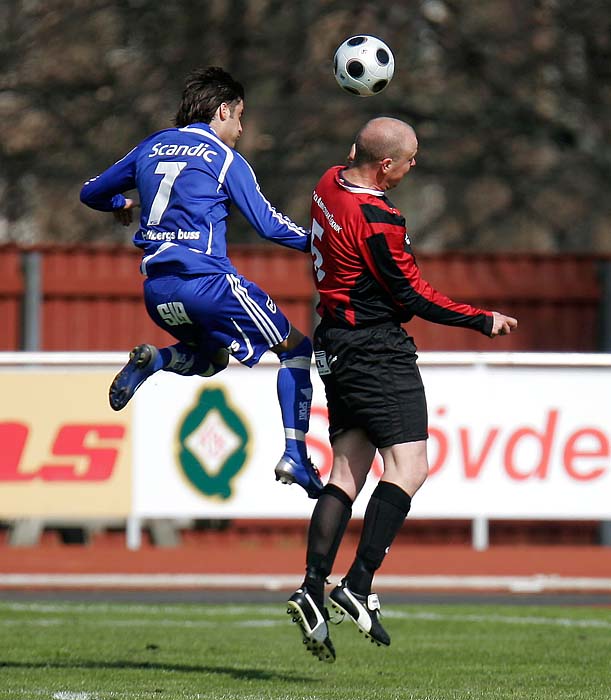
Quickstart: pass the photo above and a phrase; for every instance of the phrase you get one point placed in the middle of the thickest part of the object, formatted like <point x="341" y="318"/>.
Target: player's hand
<point x="125" y="216"/>
<point x="502" y="325"/>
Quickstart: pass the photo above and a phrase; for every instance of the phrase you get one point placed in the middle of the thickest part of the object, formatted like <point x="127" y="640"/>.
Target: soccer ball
<point x="363" y="65"/>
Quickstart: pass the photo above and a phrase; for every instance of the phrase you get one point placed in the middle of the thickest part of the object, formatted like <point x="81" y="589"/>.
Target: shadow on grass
<point x="235" y="673"/>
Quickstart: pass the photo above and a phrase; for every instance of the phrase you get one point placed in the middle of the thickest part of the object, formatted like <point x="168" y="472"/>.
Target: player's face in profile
<point x="400" y="167"/>
<point x="233" y="125"/>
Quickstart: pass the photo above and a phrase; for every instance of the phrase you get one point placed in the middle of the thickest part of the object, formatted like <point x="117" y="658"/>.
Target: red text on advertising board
<point x="88" y="452"/>
<point x="583" y="454"/>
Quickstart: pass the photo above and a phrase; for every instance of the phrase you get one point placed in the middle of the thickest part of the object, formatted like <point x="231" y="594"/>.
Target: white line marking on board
<point x="522" y="584"/>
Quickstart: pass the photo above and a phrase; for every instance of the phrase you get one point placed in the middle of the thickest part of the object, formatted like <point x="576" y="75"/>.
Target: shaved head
<point x="384" y="137"/>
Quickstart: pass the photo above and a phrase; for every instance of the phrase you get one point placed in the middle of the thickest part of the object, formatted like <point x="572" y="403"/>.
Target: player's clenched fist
<point x="502" y="325"/>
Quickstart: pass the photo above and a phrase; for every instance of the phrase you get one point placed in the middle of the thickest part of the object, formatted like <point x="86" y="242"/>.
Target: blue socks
<point x="182" y="359"/>
<point x="295" y="397"/>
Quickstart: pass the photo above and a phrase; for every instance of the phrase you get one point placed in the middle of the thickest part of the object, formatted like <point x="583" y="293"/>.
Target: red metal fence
<point x="558" y="300"/>
<point x="91" y="297"/>
<point x="11" y="292"/>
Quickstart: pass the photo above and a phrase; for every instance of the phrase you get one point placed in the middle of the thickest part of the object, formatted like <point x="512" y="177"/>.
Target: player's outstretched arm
<point x="105" y="191"/>
<point x="243" y="189"/>
<point x="502" y="325"/>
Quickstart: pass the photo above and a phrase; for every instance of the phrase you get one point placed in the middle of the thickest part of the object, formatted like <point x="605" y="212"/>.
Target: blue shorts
<point x="214" y="311"/>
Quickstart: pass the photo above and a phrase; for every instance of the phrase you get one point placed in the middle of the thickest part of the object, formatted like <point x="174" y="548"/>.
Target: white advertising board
<point x="505" y="441"/>
<point x="519" y="442"/>
<point x="188" y="430"/>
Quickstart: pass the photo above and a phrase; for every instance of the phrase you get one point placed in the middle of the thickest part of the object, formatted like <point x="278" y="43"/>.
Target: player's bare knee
<point x="420" y="473"/>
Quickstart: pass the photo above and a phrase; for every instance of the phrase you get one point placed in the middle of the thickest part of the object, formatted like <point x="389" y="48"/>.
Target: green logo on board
<point x="213" y="440"/>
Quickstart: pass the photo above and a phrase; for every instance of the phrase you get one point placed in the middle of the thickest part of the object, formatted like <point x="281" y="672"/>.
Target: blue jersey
<point x="186" y="178"/>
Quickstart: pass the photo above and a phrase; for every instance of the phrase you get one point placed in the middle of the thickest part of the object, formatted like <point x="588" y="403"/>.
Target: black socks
<point x="385" y="514"/>
<point x="327" y="526"/>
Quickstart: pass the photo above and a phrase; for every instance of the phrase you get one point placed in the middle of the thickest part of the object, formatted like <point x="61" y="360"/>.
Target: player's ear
<point x="221" y="112"/>
<point x="224" y="111"/>
<point x="352" y="154"/>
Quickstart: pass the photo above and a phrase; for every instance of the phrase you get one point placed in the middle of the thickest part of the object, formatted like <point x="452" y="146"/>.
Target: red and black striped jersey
<point x="364" y="269"/>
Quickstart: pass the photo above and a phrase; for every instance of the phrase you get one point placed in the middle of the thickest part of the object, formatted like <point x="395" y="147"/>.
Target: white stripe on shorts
<point x="268" y="330"/>
<point x="250" y="352"/>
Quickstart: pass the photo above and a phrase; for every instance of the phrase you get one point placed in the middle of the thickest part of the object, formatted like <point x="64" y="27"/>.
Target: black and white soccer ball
<point x="363" y="65"/>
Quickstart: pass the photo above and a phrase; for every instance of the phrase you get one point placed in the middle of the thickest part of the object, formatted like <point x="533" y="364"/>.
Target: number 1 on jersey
<point x="170" y="171"/>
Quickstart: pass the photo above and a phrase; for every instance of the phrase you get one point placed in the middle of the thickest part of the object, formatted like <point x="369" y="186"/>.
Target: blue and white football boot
<point x="143" y="361"/>
<point x="288" y="471"/>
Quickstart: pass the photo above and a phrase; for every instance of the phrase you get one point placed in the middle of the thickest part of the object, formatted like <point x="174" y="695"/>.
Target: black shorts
<point x="372" y="382"/>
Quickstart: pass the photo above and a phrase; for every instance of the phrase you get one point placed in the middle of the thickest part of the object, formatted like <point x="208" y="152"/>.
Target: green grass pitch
<point x="107" y="651"/>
